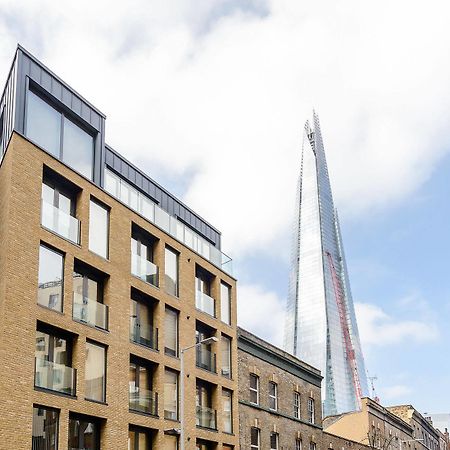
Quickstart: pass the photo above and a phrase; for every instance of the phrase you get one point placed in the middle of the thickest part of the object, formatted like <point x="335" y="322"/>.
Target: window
<point x="88" y="304"/>
<point x="206" y="416"/>
<point x="171" y="332"/>
<point x="98" y="229"/>
<point x="139" y="439"/>
<point x="170" y="394"/>
<point x="58" y="209"/>
<point x="61" y="137"/>
<point x="95" y="375"/>
<point x="171" y="271"/>
<point x="273" y="396"/>
<point x="273" y="441"/>
<point x="311" y="412"/>
<point x="255" y="438"/>
<point x="142" y="398"/>
<point x="84" y="433"/>
<point x="2" y="115"/>
<point x="51" y="278"/>
<point x="226" y="356"/>
<point x="142" y="330"/>
<point x="53" y="353"/>
<point x="205" y="357"/>
<point x="227" y="401"/>
<point x="45" y="428"/>
<point x="297" y="405"/>
<point x="312" y="446"/>
<point x="254" y="389"/>
<point x="225" y="303"/>
<point x="298" y="444"/>
<point x="170" y="442"/>
<point x="142" y="246"/>
<point x="203" y="300"/>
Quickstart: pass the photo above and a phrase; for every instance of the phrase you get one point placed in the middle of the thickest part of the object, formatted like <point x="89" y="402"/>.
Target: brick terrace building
<point x="104" y="277"/>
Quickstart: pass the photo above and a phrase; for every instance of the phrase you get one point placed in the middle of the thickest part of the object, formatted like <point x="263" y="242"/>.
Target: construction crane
<point x="372" y="380"/>
<point x="351" y="357"/>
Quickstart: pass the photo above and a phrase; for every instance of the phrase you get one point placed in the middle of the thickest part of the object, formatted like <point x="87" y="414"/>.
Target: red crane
<point x="351" y="358"/>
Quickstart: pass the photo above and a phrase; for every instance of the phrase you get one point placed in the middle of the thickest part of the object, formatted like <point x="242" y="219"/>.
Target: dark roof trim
<point x="266" y="352"/>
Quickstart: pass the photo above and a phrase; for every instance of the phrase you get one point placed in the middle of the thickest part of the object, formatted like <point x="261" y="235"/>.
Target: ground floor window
<point x="84" y="433"/>
<point x="45" y="428"/>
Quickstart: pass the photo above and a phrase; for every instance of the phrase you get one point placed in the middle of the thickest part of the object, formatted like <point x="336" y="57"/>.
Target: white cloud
<point x="261" y="312"/>
<point x="377" y="328"/>
<point x="225" y="98"/>
<point x="395" y="392"/>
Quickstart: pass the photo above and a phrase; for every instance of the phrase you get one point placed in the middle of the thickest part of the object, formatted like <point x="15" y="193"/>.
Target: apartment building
<point x="107" y="283"/>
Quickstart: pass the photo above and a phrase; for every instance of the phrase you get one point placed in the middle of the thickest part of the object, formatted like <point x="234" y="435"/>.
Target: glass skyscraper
<point x="321" y="325"/>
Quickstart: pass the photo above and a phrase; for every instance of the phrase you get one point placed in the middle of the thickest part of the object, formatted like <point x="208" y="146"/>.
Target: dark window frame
<point x="97" y="422"/>
<point x="58" y="413"/>
<point x="105" y="362"/>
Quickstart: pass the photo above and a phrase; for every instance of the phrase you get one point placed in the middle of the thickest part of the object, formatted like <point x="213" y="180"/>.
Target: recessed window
<point x="84" y="433"/>
<point x="142" y="397"/>
<point x="45" y="428"/>
<point x="142" y="254"/>
<point x="95" y="372"/>
<point x="170" y="394"/>
<point x="225" y="303"/>
<point x="139" y="439"/>
<point x="313" y="446"/>
<point x="203" y="296"/>
<point x="298" y="444"/>
<point x="255" y="438"/>
<point x="60" y="136"/>
<point x="142" y="330"/>
<point x="273" y="396"/>
<point x="205" y="357"/>
<point x="311" y="410"/>
<point x="206" y="416"/>
<point x="296" y="405"/>
<point x="254" y="389"/>
<point x="98" y="229"/>
<point x="170" y="442"/>
<point x="51" y="278"/>
<point x="171" y="332"/>
<point x="274" y="441"/>
<point x="171" y="271"/>
<point x="227" y="403"/>
<point x="226" y="356"/>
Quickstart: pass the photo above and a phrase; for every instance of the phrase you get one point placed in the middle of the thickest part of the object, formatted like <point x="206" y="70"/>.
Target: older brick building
<point x="104" y="278"/>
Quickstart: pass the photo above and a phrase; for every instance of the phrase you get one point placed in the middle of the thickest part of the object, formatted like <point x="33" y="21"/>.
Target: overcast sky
<point x="210" y="98"/>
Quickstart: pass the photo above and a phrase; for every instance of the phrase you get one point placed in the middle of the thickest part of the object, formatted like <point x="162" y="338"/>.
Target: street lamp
<point x="206" y="341"/>
<point x="409" y="440"/>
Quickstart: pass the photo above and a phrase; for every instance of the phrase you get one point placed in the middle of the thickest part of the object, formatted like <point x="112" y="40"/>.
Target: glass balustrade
<point x="55" y="377"/>
<point x="143" y="334"/>
<point x="143" y="400"/>
<point x="60" y="222"/>
<point x="144" y="269"/>
<point x="90" y="311"/>
<point x="205" y="303"/>
<point x="205" y="358"/>
<point x="155" y="214"/>
<point x="206" y="417"/>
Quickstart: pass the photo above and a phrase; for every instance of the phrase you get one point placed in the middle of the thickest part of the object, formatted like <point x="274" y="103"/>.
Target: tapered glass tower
<point x="321" y="325"/>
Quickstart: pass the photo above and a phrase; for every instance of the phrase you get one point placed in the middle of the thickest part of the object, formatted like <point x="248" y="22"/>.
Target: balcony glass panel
<point x="205" y="358"/>
<point x="143" y="334"/>
<point x="144" y="269"/>
<point x="205" y="303"/>
<point x="143" y="400"/>
<point x="60" y="222"/>
<point x="90" y="311"/>
<point x="55" y="377"/>
<point x="206" y="417"/>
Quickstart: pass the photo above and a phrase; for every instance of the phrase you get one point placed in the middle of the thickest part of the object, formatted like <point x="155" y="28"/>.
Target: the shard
<point x="321" y="325"/>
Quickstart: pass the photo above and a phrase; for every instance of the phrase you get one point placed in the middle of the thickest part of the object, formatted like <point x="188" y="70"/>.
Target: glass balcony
<point x="55" y="377"/>
<point x="206" y="417"/>
<point x="144" y="269"/>
<point x="205" y="303"/>
<point x="143" y="400"/>
<point x="60" y="222"/>
<point x="206" y="359"/>
<point x="90" y="311"/>
<point x="143" y="334"/>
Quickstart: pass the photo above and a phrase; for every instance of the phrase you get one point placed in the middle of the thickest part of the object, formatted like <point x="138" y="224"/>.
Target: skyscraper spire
<point x="321" y="325"/>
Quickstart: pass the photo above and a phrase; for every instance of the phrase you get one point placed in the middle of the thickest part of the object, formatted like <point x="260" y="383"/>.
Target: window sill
<point x="90" y="326"/>
<point x="145" y="414"/>
<point x="99" y="402"/>
<point x="50" y="309"/>
<point x="156" y="350"/>
<point x="214" y="430"/>
<point x="99" y="256"/>
<point x="60" y="394"/>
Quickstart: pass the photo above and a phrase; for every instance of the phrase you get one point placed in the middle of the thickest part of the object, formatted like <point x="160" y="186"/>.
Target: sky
<point x="210" y="98"/>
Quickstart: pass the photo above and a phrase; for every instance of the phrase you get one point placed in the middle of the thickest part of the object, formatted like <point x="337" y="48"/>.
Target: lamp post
<point x="409" y="440"/>
<point x="206" y="341"/>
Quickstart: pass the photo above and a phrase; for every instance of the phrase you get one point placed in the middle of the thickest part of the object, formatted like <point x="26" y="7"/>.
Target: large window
<point x="171" y="271"/>
<point x="95" y="386"/>
<point x="273" y="441"/>
<point x="255" y="438"/>
<point x="170" y="394"/>
<point x="273" y="395"/>
<point x="171" y="332"/>
<point x="296" y="405"/>
<point x="227" y="402"/>
<point x="84" y="433"/>
<point x="139" y="439"/>
<point x="45" y="429"/>
<point x="206" y="416"/>
<point x="170" y="442"/>
<point x="225" y="303"/>
<point x="142" y="398"/>
<point x="142" y="249"/>
<point x="203" y="300"/>
<point x="226" y="356"/>
<point x="311" y="410"/>
<point x="254" y="389"/>
<point x="51" y="277"/>
<point x="61" y="137"/>
<point x="142" y="330"/>
<point x="98" y="229"/>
